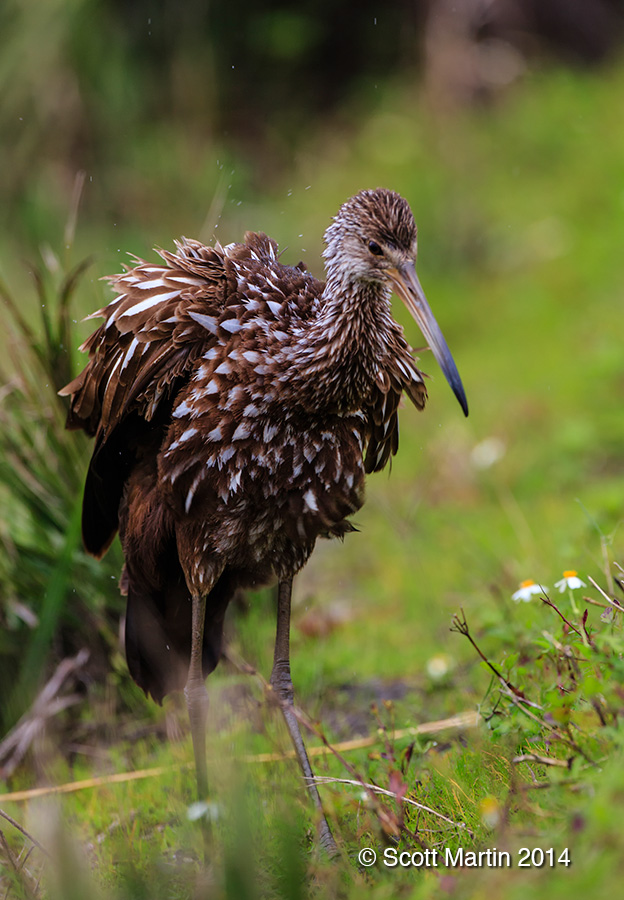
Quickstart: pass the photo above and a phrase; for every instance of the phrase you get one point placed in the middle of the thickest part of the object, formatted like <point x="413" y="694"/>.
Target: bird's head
<point x="373" y="233"/>
<point x="373" y="240"/>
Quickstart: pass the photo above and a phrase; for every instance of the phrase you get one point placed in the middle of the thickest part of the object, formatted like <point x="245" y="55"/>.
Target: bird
<point x="237" y="404"/>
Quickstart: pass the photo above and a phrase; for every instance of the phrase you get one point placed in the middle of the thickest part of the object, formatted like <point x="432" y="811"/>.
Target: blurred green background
<point x="124" y="126"/>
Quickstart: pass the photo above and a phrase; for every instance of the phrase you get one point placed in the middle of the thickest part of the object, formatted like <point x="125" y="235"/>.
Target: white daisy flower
<point x="570" y="580"/>
<point x="526" y="590"/>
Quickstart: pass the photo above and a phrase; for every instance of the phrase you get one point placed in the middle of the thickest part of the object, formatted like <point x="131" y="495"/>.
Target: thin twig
<point x="610" y="600"/>
<point x="23" y="831"/>
<point x="544" y="760"/>
<point x="568" y="652"/>
<point x="323" y="779"/>
<point x="549" y="602"/>
<point x="554" y="730"/>
<point x="17" y="869"/>
<point x="597" y="603"/>
<point x="572" y="783"/>
<point x="461" y="627"/>
<point x="517" y="701"/>
<point x="588" y="637"/>
<point x="8" y="852"/>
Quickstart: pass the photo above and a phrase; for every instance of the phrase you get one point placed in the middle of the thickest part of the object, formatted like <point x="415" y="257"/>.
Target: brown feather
<point x="237" y="404"/>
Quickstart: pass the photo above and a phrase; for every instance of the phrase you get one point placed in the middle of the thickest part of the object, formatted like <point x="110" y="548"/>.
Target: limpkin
<point x="237" y="404"/>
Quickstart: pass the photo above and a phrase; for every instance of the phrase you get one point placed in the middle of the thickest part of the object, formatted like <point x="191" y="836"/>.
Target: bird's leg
<point x="281" y="682"/>
<point x="197" y="695"/>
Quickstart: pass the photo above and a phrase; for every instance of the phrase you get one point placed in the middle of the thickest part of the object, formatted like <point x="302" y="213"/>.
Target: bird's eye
<point x="374" y="248"/>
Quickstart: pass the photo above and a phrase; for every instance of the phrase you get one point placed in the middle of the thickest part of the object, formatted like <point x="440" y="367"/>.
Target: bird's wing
<point x="163" y="319"/>
<point x="398" y="374"/>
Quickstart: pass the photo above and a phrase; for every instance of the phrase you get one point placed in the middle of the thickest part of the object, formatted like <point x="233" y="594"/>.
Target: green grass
<point x="520" y="211"/>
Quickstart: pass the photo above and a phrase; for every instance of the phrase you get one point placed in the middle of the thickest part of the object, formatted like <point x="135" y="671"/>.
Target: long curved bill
<point x="408" y="288"/>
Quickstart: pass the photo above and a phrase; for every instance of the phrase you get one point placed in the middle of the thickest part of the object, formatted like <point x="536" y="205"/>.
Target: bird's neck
<point x="336" y="356"/>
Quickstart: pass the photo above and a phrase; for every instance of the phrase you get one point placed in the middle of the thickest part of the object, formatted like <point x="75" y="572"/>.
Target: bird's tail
<point x="158" y="628"/>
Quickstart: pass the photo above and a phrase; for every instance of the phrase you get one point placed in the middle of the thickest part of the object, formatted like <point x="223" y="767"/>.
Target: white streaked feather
<point x="224" y="369"/>
<point x="309" y="500"/>
<point x="191" y="493"/>
<point x="185" y="279"/>
<point x="404" y="370"/>
<point x="114" y="369"/>
<point x="183" y="409"/>
<point x="148" y="303"/>
<point x="231" y="325"/>
<point x="130" y="353"/>
<point x="207" y="322"/>
<point x="241" y="432"/>
<point x="150" y="285"/>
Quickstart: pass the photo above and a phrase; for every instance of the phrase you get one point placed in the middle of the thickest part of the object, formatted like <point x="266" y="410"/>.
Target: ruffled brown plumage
<point x="236" y="405"/>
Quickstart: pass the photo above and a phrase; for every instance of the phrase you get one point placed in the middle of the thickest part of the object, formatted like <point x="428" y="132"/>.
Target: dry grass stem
<point x="46" y="705"/>
<point x="323" y="779"/>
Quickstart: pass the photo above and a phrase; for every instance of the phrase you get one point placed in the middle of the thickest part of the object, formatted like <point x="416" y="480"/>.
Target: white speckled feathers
<point x="237" y="404"/>
<point x="224" y="328"/>
<point x="163" y="319"/>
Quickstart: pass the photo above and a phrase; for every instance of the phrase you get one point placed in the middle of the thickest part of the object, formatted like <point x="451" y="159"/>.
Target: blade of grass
<point x="54" y="599"/>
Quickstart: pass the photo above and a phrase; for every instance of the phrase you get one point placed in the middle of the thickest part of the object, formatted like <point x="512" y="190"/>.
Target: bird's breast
<point x="260" y="487"/>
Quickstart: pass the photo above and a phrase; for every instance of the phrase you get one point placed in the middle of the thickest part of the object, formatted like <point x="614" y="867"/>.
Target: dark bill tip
<point x="457" y="387"/>
<point x="409" y="289"/>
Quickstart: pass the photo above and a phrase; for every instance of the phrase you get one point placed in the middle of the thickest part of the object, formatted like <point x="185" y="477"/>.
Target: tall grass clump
<point x="54" y="600"/>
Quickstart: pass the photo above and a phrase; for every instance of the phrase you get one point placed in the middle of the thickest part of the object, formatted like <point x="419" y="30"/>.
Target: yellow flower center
<point x="527" y="583"/>
<point x="570" y="573"/>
